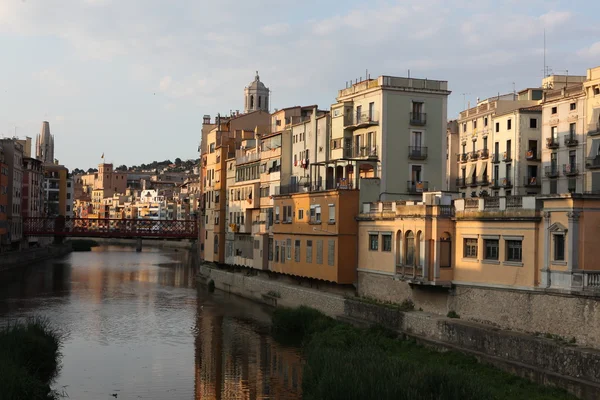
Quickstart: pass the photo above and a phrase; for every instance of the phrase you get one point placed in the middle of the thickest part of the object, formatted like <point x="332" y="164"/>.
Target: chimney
<point x="206" y="119"/>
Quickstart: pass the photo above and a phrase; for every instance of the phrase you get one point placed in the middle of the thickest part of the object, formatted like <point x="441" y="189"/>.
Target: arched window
<point x="259" y="101"/>
<point x="410" y="248"/>
<point x="251" y="101"/>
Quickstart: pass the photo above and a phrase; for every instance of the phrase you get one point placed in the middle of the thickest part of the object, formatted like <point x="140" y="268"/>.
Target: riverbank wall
<point x="14" y="259"/>
<point x="548" y="361"/>
<point x="161" y="243"/>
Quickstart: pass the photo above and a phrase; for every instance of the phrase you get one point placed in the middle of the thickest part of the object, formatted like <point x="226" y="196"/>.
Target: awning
<point x="481" y="170"/>
<point x="470" y="169"/>
<point x="594" y="148"/>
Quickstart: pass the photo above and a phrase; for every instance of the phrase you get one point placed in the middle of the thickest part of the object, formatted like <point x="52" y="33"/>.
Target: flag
<point x="102" y="156"/>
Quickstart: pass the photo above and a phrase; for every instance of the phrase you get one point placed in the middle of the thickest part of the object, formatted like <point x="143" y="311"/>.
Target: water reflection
<point x="137" y="327"/>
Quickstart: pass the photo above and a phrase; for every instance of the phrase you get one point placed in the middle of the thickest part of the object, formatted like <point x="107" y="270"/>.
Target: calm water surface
<point x="136" y="326"/>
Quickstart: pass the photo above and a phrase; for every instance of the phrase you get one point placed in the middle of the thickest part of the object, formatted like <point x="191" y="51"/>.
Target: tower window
<point x="259" y="101"/>
<point x="251" y="101"/>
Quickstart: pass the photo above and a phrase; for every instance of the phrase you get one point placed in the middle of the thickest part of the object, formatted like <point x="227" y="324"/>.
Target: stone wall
<point x="176" y="244"/>
<point x="14" y="259"/>
<point x="565" y="315"/>
<point x="258" y="288"/>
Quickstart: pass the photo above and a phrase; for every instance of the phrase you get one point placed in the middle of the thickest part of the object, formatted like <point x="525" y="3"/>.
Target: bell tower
<point x="256" y="96"/>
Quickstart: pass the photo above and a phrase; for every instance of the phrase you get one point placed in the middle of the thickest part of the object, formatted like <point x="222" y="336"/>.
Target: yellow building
<point x="315" y="235"/>
<point x="56" y="191"/>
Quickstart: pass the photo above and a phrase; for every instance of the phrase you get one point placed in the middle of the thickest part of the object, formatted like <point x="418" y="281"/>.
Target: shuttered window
<point x="319" y="252"/>
<point x="331" y="253"/>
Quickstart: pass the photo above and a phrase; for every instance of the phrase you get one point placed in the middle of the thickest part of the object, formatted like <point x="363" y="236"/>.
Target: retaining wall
<point x="14" y="259"/>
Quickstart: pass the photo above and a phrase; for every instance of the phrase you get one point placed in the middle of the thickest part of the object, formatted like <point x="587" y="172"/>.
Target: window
<point x="297" y="250"/>
<point x="287" y="214"/>
<point x="373" y="242"/>
<point x="554" y="110"/>
<point x="553" y="186"/>
<point x="331" y="252"/>
<point x="371" y="111"/>
<point x="387" y="242"/>
<point x="300" y="215"/>
<point x="68" y="208"/>
<point x="485" y="122"/>
<point x="596" y="90"/>
<point x="332" y="213"/>
<point x="572" y="128"/>
<point x="514" y="250"/>
<point x="276" y="251"/>
<point x="309" y="251"/>
<point x="270" y="249"/>
<point x="509" y="124"/>
<point x="319" y="251"/>
<point x="465" y="127"/>
<point x="68" y="196"/>
<point x="276" y="214"/>
<point x="315" y="213"/>
<point x="485" y="143"/>
<point x="533" y="123"/>
<point x="497" y="126"/>
<point x="288" y="245"/>
<point x="470" y="248"/>
<point x="491" y="249"/>
<point x="559" y="247"/>
<point x="573" y="106"/>
<point x="474" y="124"/>
<point x="212" y="148"/>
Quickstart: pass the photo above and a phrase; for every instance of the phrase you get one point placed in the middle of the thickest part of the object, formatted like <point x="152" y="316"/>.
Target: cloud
<point x="165" y="83"/>
<point x="277" y="29"/>
<point x="590" y="52"/>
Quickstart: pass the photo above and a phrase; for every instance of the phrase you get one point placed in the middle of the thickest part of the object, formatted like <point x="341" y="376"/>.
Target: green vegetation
<point x="83" y="244"/>
<point x="344" y="362"/>
<point x="29" y="360"/>
<point x="273" y="293"/>
<point x="452" y="314"/>
<point x="211" y="286"/>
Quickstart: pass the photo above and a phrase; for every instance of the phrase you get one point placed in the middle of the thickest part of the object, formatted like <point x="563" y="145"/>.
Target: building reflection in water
<point x="237" y="359"/>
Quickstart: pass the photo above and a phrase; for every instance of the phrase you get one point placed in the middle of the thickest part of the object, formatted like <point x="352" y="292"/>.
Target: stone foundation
<point x="538" y="312"/>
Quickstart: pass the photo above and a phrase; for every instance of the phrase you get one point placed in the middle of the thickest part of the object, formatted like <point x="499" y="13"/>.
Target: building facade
<point x="13" y="154"/>
<point x="55" y="190"/>
<point x="4" y="193"/>
<point x="32" y="204"/>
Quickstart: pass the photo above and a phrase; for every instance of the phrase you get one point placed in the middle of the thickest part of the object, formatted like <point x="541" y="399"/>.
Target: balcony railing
<point x="551" y="171"/>
<point x="418" y="118"/>
<point x="417" y="152"/>
<point x="247" y="158"/>
<point x="506" y="183"/>
<point x="552" y="143"/>
<point x="495" y="158"/>
<point x="495" y="183"/>
<point x="532" y="155"/>
<point x="484" y="154"/>
<point x="474" y="155"/>
<point x="593" y="163"/>
<point x="514" y="202"/>
<point x="570" y="170"/>
<point x="483" y="181"/>
<point x="491" y="203"/>
<point x="531" y="181"/>
<point x="472" y="203"/>
<point x="357" y="120"/>
<point x="361" y="152"/>
<point x="594" y="130"/>
<point x="472" y="181"/>
<point x="506" y="156"/>
<point x="571" y="140"/>
<point x="462" y="157"/>
<point x="417" y="187"/>
<point x="461" y="182"/>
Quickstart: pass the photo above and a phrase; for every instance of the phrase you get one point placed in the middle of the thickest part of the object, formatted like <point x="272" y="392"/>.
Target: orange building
<point x="315" y="235"/>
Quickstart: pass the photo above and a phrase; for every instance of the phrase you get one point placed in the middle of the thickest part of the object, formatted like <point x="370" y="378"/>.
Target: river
<point x="137" y="327"/>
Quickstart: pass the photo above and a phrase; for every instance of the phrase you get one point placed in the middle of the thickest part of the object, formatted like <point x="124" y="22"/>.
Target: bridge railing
<point x="51" y="226"/>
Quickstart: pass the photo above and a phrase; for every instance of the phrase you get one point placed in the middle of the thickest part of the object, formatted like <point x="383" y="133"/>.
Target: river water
<point x="137" y="327"/>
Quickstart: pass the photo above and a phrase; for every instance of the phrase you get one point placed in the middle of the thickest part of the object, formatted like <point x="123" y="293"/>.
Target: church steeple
<point x="256" y="96"/>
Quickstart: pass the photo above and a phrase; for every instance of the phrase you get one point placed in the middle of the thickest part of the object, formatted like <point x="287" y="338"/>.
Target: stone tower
<point x="256" y="96"/>
<point x="44" y="147"/>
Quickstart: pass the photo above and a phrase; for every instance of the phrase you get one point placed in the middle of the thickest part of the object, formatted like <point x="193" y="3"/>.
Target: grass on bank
<point x="344" y="362"/>
<point x="29" y="360"/>
<point x="83" y="244"/>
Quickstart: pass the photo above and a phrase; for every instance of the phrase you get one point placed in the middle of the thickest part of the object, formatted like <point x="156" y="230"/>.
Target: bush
<point x="211" y="286"/>
<point x="452" y="314"/>
<point x="29" y="359"/>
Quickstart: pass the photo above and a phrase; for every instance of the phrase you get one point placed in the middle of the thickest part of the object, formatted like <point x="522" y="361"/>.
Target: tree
<point x="122" y="167"/>
<point x="178" y="161"/>
<point x="92" y="170"/>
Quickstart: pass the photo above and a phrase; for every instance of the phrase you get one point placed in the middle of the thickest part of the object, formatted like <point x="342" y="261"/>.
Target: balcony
<point x="532" y="155"/>
<point x="361" y="120"/>
<point x="495" y="158"/>
<point x="594" y="130"/>
<point x="506" y="183"/>
<point x="495" y="183"/>
<point x="593" y="163"/>
<point x="247" y="158"/>
<point x="461" y="182"/>
<point x="552" y="143"/>
<point x="570" y="140"/>
<point x="551" y="171"/>
<point x="417" y="187"/>
<point x="462" y="158"/>
<point x="506" y="156"/>
<point x="483" y="181"/>
<point x="418" y="118"/>
<point x="369" y="152"/>
<point x="472" y="182"/>
<point x="484" y="154"/>
<point x="531" y="181"/>
<point x="474" y="155"/>
<point x="417" y="152"/>
<point x="570" y="170"/>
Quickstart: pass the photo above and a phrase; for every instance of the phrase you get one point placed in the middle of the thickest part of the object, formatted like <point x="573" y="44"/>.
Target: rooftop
<point x="393" y="82"/>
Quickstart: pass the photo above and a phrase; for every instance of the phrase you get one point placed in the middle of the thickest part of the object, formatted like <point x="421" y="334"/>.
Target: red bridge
<point x="113" y="228"/>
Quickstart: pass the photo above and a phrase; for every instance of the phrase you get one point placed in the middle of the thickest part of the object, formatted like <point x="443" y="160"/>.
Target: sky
<point x="133" y="78"/>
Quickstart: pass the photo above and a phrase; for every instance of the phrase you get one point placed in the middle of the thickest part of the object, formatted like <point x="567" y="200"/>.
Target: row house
<point x="13" y="157"/>
<point x="4" y="177"/>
